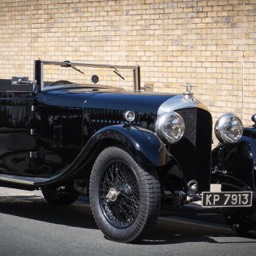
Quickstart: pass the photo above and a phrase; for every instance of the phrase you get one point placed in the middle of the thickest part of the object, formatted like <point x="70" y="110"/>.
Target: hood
<point x="65" y="97"/>
<point x="102" y="98"/>
<point x="139" y="102"/>
<point x="103" y="106"/>
<point x="108" y="108"/>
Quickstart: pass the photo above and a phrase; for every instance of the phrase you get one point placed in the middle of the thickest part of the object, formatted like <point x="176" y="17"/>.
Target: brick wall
<point x="210" y="44"/>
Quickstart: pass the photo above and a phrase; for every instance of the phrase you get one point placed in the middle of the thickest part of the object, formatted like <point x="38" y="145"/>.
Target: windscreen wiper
<point x="68" y="64"/>
<point x="117" y="72"/>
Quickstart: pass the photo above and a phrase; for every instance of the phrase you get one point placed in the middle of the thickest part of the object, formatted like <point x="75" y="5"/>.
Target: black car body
<point x="130" y="152"/>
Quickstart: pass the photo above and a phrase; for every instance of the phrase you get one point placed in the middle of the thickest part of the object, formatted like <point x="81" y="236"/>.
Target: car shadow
<point x="177" y="232"/>
<point x="165" y="231"/>
<point x="36" y="207"/>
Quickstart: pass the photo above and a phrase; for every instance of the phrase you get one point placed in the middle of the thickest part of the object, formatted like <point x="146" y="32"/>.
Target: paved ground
<point x="30" y="226"/>
<point x="15" y="192"/>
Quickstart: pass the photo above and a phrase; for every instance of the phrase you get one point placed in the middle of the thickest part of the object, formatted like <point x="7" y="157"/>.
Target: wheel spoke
<point x="123" y="209"/>
<point x="131" y="208"/>
<point x="132" y="200"/>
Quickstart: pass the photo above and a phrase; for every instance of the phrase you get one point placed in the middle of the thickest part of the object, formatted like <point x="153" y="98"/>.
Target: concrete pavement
<point x="18" y="192"/>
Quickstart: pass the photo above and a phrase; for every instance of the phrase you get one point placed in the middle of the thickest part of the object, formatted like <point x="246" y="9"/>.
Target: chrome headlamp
<point x="228" y="128"/>
<point x="170" y="127"/>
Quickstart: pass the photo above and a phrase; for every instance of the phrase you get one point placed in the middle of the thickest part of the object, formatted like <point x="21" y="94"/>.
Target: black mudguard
<point x="233" y="165"/>
<point x="143" y="145"/>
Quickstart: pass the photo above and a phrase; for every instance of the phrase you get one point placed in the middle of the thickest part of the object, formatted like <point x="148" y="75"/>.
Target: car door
<point x="17" y="142"/>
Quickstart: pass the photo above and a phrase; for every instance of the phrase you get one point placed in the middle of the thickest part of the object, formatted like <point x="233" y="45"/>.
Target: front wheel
<point x="124" y="198"/>
<point x="242" y="221"/>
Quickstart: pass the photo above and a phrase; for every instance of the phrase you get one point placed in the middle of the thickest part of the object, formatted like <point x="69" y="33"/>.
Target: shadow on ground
<point x="167" y="230"/>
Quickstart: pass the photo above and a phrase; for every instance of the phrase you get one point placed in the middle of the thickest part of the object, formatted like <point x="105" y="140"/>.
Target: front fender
<point x="246" y="147"/>
<point x="249" y="136"/>
<point x="144" y="145"/>
<point x="234" y="163"/>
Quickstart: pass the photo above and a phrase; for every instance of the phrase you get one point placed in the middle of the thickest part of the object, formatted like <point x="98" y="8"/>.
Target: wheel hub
<point x="112" y="194"/>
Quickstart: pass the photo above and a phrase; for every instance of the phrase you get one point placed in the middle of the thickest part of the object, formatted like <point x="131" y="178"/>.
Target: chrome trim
<point x="161" y="122"/>
<point x="222" y="134"/>
<point x="83" y="64"/>
<point x="39" y="70"/>
<point x="32" y="131"/>
<point x="180" y="102"/>
<point x="21" y="179"/>
<point x="129" y="115"/>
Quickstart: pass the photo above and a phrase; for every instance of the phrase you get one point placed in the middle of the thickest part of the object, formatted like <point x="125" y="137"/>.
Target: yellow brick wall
<point x="210" y="44"/>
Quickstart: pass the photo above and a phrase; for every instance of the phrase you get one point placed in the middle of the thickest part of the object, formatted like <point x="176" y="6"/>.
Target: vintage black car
<point x="130" y="152"/>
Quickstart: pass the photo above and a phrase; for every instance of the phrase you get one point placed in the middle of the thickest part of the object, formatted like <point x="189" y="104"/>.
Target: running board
<point x="22" y="180"/>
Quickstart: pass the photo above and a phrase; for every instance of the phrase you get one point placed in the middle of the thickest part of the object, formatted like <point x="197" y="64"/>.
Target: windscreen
<point x="69" y="74"/>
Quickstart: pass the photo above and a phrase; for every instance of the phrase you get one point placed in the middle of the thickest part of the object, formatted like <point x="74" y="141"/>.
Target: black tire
<point x="124" y="198"/>
<point x="242" y="221"/>
<point x="60" y="196"/>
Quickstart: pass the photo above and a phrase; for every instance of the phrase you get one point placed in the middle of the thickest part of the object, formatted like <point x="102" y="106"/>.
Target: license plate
<point x="226" y="199"/>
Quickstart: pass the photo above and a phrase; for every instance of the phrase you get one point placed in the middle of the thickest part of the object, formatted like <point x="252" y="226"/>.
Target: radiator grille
<point x="193" y="151"/>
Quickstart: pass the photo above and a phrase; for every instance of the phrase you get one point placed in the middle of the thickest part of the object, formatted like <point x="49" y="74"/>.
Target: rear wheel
<point x="60" y="195"/>
<point x="124" y="198"/>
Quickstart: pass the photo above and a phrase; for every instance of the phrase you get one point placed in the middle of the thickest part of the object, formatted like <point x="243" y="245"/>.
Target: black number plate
<point x="227" y="199"/>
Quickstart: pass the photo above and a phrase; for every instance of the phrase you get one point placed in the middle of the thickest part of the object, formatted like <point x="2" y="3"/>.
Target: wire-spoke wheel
<point x="124" y="197"/>
<point x="119" y="195"/>
<point x="242" y="221"/>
